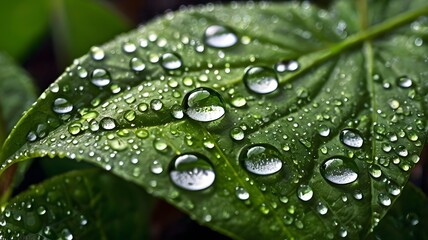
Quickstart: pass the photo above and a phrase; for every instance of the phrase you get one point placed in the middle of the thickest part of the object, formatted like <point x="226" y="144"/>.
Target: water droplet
<point x="204" y="105"/>
<point x="351" y="138"/>
<point x="82" y="72"/>
<point x="384" y="199"/>
<point x="339" y="171"/>
<point x="241" y="193"/>
<point x="261" y="159"/>
<point x="97" y="53"/>
<point x="171" y="61"/>
<point x="358" y="195"/>
<point x="393" y="188"/>
<point x="66" y="234"/>
<point x="239" y="102"/>
<point x="156" y="104"/>
<point x="177" y="112"/>
<point x="108" y="123"/>
<point x="192" y="171"/>
<point x="31" y="136"/>
<point x="118" y="144"/>
<point x="137" y="64"/>
<point x="156" y="167"/>
<point x="404" y="82"/>
<point x="100" y="77"/>
<point x="237" y="134"/>
<point x="324" y="131"/>
<point x="220" y="36"/>
<point x="322" y="209"/>
<point x="343" y="232"/>
<point x="129" y="47"/>
<point x="74" y="128"/>
<point x="41" y="210"/>
<point x="61" y="106"/>
<point x="412" y="219"/>
<point x="305" y="193"/>
<point x="142" y="133"/>
<point x="160" y="145"/>
<point x="261" y="80"/>
<point x="375" y="171"/>
<point x="287" y="66"/>
<point x="129" y="115"/>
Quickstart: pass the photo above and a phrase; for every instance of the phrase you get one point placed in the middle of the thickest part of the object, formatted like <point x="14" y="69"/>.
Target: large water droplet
<point x="351" y="138"/>
<point x="62" y="105"/>
<point x="220" y="36"/>
<point x="100" y="77"/>
<point x="171" y="61"/>
<point x="305" y="193"/>
<point x="192" y="171"/>
<point x="339" y="171"/>
<point x="261" y="80"/>
<point x="204" y="105"/>
<point x="261" y="159"/>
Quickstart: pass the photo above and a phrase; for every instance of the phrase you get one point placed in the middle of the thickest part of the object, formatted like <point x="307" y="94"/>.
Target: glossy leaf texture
<point x="89" y="204"/>
<point x="407" y="219"/>
<point x="260" y="120"/>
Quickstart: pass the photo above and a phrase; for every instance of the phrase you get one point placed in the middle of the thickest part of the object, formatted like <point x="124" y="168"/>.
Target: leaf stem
<point x="362" y="10"/>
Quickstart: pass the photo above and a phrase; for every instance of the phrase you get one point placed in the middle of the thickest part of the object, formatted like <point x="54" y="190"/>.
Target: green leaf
<point x="407" y="219"/>
<point x="22" y="22"/>
<point x="90" y="204"/>
<point x="79" y="24"/>
<point x="260" y="120"/>
<point x="18" y="93"/>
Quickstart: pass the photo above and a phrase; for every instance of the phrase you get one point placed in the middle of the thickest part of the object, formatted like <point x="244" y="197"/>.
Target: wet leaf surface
<point x="258" y="120"/>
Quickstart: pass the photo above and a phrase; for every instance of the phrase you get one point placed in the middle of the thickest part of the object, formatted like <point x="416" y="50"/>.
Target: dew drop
<point x="137" y="64"/>
<point x="118" y="144"/>
<point x="204" y="105"/>
<point x="31" y="136"/>
<point x="129" y="115"/>
<point x="239" y="102"/>
<point x="261" y="159"/>
<point x="412" y="219"/>
<point x="108" y="123"/>
<point x="393" y="188"/>
<point x="384" y="199"/>
<point x="97" y="53"/>
<point x="142" y="133"/>
<point x="404" y="82"/>
<point x="305" y="193"/>
<point x="322" y="209"/>
<point x="260" y="80"/>
<point x="156" y="167"/>
<point x="62" y="106"/>
<point x="241" y="193"/>
<point x="129" y="47"/>
<point x="375" y="171"/>
<point x="41" y="210"/>
<point x="192" y="171"/>
<point x="66" y="234"/>
<point x="177" y="112"/>
<point x="324" y="131"/>
<point x="351" y="138"/>
<point x="218" y="36"/>
<point x="171" y="61"/>
<point x="156" y="104"/>
<point x="339" y="171"/>
<point x="237" y="134"/>
<point x="358" y="195"/>
<point x="100" y="77"/>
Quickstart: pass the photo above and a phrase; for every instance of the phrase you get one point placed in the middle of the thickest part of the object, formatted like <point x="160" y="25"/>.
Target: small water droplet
<point x="171" y="61"/>
<point x="204" y="105"/>
<point x="137" y="64"/>
<point x="237" y="134"/>
<point x="375" y="171"/>
<point x="82" y="72"/>
<point x="261" y="159"/>
<point x="62" y="106"/>
<point x="97" y="53"/>
<point x="322" y="209"/>
<point x="41" y="210"/>
<point x="261" y="80"/>
<point x="177" y="112"/>
<point x="31" y="136"/>
<point x="129" y="115"/>
<point x="218" y="36"/>
<point x="156" y="167"/>
<point x="305" y="193"/>
<point x="324" y="131"/>
<point x="239" y="102"/>
<point x="118" y="144"/>
<point x="129" y="47"/>
<point x="156" y="104"/>
<point x="339" y="171"/>
<point x="412" y="219"/>
<point x="192" y="171"/>
<point x="241" y="193"/>
<point x="393" y="188"/>
<point x="384" y="199"/>
<point x="404" y="82"/>
<point x="358" y="195"/>
<point x="108" y="123"/>
<point x="351" y="138"/>
<point x="160" y="145"/>
<point x="66" y="234"/>
<point x="74" y="128"/>
<point x="142" y="133"/>
<point x="343" y="232"/>
<point x="100" y="77"/>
